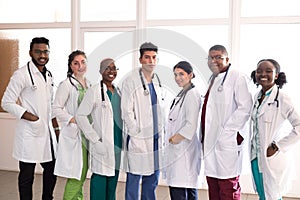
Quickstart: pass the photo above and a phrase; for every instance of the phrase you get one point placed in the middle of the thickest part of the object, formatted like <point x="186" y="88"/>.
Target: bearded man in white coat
<point x="225" y="111"/>
<point x="28" y="97"/>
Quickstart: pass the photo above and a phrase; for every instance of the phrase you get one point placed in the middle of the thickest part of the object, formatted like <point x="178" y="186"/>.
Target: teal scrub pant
<point x="74" y="187"/>
<point x="258" y="180"/>
<point x="103" y="187"/>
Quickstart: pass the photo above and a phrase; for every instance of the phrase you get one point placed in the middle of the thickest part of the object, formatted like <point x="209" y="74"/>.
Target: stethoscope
<point x="181" y="95"/>
<point x="146" y="92"/>
<point x="102" y="93"/>
<point x="220" y="88"/>
<point x="33" y="86"/>
<point x="275" y="99"/>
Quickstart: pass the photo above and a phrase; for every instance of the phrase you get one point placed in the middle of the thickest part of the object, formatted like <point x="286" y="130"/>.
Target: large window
<point x="16" y="11"/>
<point x="112" y="10"/>
<point x="59" y="48"/>
<point x="183" y="30"/>
<point x="189" y="9"/>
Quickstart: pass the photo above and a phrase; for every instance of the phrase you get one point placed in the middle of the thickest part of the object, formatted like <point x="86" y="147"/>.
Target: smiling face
<point x="217" y="61"/>
<point x="266" y="75"/>
<point x="79" y="65"/>
<point x="182" y="78"/>
<point x="110" y="73"/>
<point x="39" y="54"/>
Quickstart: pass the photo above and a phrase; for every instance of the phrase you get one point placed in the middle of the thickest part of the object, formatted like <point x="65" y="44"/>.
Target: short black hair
<point x="219" y="47"/>
<point x="39" y="40"/>
<point x="147" y="46"/>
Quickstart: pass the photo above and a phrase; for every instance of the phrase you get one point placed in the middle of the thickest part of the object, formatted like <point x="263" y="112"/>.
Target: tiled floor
<point x="9" y="190"/>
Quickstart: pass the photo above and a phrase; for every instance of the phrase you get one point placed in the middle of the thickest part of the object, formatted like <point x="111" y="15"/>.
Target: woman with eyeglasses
<point x="183" y="152"/>
<point x="102" y="102"/>
<point x="271" y="139"/>
<point x="72" y="153"/>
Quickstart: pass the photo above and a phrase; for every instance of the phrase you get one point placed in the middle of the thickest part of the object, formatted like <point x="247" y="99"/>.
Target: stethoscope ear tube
<point x="33" y="86"/>
<point x="146" y="92"/>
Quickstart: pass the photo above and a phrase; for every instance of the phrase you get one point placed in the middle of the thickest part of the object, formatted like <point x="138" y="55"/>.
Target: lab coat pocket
<point x="70" y="131"/>
<point x="277" y="162"/>
<point x="36" y="127"/>
<point x="226" y="152"/>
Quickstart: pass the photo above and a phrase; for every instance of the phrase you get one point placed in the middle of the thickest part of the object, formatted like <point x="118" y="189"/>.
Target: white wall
<point x="7" y="126"/>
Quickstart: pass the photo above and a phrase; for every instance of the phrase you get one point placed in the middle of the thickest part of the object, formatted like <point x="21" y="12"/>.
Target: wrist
<point x="274" y="146"/>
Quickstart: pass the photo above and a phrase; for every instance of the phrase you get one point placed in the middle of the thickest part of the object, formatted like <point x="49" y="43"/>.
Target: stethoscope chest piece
<point x="146" y="92"/>
<point x="220" y="88"/>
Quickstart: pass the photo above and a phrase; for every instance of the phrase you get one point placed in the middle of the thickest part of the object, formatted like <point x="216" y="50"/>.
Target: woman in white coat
<point x="183" y="151"/>
<point x="269" y="142"/>
<point x="102" y="102"/>
<point x="72" y="154"/>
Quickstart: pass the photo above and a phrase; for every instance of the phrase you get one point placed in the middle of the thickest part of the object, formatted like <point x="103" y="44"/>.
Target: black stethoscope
<point x="33" y="86"/>
<point x="275" y="99"/>
<point x="220" y="88"/>
<point x="102" y="93"/>
<point x="181" y="95"/>
<point x="146" y="92"/>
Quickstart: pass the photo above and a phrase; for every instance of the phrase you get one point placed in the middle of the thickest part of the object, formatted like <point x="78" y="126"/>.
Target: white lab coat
<point x="32" y="139"/>
<point x="101" y="129"/>
<point x="276" y="169"/>
<point x="226" y="114"/>
<point x="137" y="115"/>
<point x="70" y="144"/>
<point x="183" y="160"/>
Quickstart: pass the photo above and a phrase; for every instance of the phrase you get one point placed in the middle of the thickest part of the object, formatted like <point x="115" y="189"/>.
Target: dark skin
<point x="108" y="76"/>
<point x="266" y="75"/>
<point x="40" y="57"/>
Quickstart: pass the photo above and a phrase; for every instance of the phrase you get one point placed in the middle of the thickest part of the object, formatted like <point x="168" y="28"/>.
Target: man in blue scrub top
<point x="141" y="111"/>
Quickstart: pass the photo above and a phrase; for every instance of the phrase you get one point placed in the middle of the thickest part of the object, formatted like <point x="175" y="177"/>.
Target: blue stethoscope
<point x="33" y="86"/>
<point x="146" y="92"/>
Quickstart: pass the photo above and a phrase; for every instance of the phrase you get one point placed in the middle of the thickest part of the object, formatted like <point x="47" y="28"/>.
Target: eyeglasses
<point x="217" y="58"/>
<point x="111" y="69"/>
<point x="40" y="52"/>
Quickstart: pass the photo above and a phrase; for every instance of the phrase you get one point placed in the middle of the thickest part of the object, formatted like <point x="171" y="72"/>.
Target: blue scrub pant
<point x="258" y="180"/>
<point x="177" y="193"/>
<point x="149" y="184"/>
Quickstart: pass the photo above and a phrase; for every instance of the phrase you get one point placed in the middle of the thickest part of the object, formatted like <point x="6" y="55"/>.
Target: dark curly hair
<point x="281" y="79"/>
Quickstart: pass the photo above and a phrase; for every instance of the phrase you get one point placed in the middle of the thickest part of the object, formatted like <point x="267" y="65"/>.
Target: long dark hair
<point x="70" y="71"/>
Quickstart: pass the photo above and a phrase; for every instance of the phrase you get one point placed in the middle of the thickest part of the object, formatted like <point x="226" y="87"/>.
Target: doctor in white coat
<point x="225" y="111"/>
<point x="28" y="97"/>
<point x="182" y="154"/>
<point x="270" y="163"/>
<point x="72" y="153"/>
<point x="102" y="102"/>
<point x="141" y="103"/>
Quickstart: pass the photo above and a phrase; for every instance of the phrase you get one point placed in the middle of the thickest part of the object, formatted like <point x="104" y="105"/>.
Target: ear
<point x="191" y="75"/>
<point x="276" y="76"/>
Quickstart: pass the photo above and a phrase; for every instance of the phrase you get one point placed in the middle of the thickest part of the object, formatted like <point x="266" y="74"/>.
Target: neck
<point x="81" y="80"/>
<point x="148" y="75"/>
<point x="187" y="86"/>
<point x="109" y="85"/>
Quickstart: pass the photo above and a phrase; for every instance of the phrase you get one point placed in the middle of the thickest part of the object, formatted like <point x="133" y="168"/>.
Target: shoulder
<point x="65" y="84"/>
<point x="193" y="93"/>
<point x="132" y="78"/>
